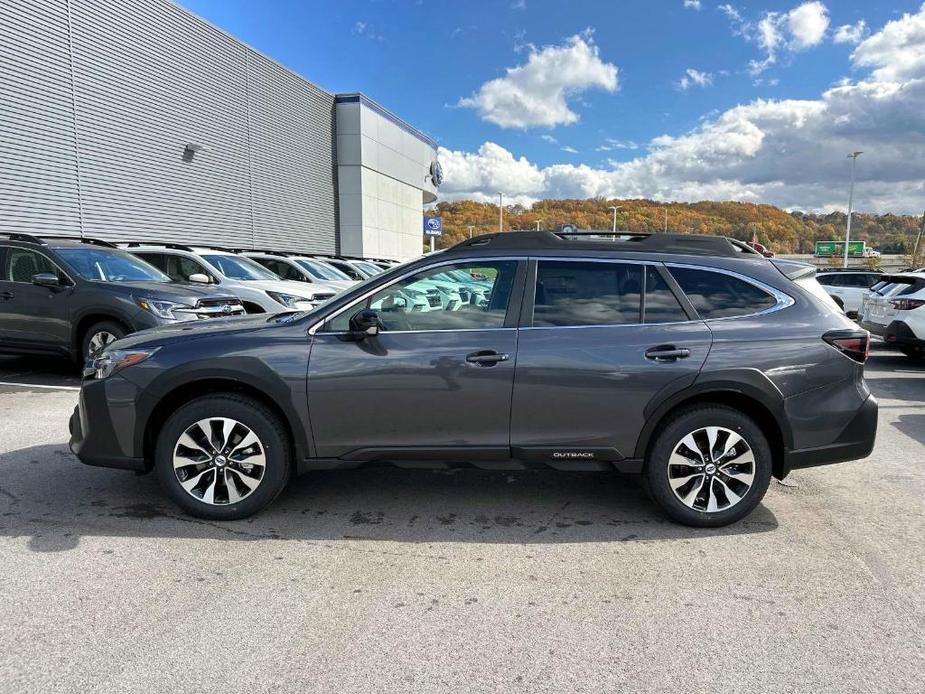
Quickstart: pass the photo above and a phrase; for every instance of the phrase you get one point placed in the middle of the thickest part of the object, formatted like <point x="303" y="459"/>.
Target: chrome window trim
<point x="313" y="329"/>
<point x="783" y="300"/>
<point x="37" y="252"/>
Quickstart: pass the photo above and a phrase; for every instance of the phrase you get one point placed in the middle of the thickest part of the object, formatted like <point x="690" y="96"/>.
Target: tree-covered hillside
<point x="781" y="231"/>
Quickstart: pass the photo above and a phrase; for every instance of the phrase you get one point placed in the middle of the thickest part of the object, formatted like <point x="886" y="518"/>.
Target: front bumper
<point x="855" y="441"/>
<point x="102" y="425"/>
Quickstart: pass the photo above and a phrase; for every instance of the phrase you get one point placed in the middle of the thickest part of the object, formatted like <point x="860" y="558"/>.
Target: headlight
<point x="160" y="308"/>
<point x="287" y="300"/>
<point x="109" y="363"/>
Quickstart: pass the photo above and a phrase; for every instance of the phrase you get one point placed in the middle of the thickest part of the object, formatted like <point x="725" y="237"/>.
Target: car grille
<point x="323" y="297"/>
<point x="215" y="308"/>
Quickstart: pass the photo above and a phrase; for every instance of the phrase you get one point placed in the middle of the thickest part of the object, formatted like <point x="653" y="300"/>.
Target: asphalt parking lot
<point x="463" y="581"/>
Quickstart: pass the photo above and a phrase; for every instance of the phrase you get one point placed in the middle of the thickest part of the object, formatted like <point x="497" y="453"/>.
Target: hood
<point x="182" y="292"/>
<point x="191" y="330"/>
<point x="302" y="289"/>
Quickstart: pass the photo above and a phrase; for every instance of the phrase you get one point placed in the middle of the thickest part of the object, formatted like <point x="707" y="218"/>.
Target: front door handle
<point x="486" y="357"/>
<point x="667" y="353"/>
<point x="6" y="295"/>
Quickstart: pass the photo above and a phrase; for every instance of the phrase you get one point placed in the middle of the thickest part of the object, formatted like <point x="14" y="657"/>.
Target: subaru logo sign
<point x="433" y="226"/>
<point x="436" y="173"/>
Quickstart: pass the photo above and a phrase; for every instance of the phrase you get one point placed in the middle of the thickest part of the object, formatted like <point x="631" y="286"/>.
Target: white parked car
<point x="260" y="290"/>
<point x="895" y="310"/>
<point x="297" y="268"/>
<point x="351" y="268"/>
<point x="848" y="287"/>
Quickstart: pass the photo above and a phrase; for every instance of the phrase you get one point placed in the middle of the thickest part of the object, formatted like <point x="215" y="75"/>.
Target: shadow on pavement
<point x="54" y="500"/>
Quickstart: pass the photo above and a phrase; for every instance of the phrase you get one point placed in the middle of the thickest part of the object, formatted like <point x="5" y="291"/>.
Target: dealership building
<point x="136" y="120"/>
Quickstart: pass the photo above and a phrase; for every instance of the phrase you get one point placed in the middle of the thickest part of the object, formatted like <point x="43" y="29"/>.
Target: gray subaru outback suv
<point x="690" y="360"/>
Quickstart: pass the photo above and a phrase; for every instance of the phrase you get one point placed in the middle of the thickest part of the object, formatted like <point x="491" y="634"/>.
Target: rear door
<point x="435" y="383"/>
<point x="599" y="339"/>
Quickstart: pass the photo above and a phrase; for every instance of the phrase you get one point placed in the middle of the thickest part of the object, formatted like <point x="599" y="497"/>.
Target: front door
<point x="591" y="356"/>
<point x="435" y="383"/>
<point x="32" y="317"/>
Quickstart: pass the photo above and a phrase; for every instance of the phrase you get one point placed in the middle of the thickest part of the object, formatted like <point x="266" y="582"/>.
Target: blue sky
<point x="424" y="58"/>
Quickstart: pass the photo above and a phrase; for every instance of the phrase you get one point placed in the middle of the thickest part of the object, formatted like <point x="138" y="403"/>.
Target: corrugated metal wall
<point x="145" y="78"/>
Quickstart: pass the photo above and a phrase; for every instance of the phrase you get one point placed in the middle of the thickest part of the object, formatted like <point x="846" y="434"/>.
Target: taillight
<point x="854" y="344"/>
<point x="907" y="304"/>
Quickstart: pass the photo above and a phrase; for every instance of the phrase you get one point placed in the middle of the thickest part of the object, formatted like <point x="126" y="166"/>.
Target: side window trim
<point x="782" y="300"/>
<point x="510" y="318"/>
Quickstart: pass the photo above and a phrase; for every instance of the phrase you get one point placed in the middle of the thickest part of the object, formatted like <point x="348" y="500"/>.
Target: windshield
<point x="110" y="265"/>
<point x="322" y="271"/>
<point x="236" y="267"/>
<point x="370" y="268"/>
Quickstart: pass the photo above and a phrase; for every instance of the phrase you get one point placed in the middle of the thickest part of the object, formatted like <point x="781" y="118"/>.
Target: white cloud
<point x="519" y="5"/>
<point x="611" y="144"/>
<point x="570" y="150"/>
<point x="788" y="152"/>
<point x="803" y="27"/>
<point x="693" y="5"/>
<point x="550" y="139"/>
<point x="537" y="92"/>
<point x="693" y="78"/>
<point x="367" y="30"/>
<point x="850" y="33"/>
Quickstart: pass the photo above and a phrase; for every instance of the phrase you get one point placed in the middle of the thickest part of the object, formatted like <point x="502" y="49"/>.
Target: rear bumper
<point x="96" y="425"/>
<point x="855" y="441"/>
<point x="899" y="333"/>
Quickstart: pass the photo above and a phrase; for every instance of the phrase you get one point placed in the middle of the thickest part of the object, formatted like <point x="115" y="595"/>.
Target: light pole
<point x="615" y="208"/>
<point x="500" y="211"/>
<point x="538" y="224"/>
<point x="470" y="231"/>
<point x="918" y="240"/>
<point x="854" y="160"/>
<point x="666" y="218"/>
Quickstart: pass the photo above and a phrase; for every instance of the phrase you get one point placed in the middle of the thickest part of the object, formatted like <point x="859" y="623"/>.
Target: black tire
<point x="916" y="353"/>
<point x="253" y="415"/>
<point x="690" y="420"/>
<point x="110" y="327"/>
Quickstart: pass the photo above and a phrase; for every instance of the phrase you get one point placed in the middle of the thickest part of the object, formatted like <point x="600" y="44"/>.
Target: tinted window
<point x="718" y="295"/>
<point x="826" y="280"/>
<point x="586" y="293"/>
<point x="281" y="268"/>
<point x="661" y="305"/>
<point x="477" y="298"/>
<point x="322" y="271"/>
<point x="239" y="268"/>
<point x="22" y="265"/>
<point x="177" y="267"/>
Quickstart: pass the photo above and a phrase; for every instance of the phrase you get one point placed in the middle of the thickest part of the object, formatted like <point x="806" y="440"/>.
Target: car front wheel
<point x="223" y="457"/>
<point x="709" y="467"/>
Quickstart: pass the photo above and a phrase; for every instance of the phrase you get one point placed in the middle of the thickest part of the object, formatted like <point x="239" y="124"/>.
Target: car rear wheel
<point x="98" y="336"/>
<point x="709" y="467"/>
<point x="223" y="457"/>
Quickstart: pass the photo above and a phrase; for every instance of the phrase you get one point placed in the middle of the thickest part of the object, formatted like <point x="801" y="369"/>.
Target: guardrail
<point x="887" y="262"/>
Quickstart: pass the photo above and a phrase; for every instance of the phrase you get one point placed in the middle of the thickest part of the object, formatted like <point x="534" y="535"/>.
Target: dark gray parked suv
<point x="691" y="360"/>
<point x="71" y="297"/>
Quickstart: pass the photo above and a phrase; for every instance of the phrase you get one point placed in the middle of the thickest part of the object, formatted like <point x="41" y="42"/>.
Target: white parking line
<point x="38" y="385"/>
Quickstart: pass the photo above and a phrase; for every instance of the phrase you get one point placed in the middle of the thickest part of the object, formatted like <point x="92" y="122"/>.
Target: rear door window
<point x="661" y="305"/>
<point x="573" y="293"/>
<point x="719" y="295"/>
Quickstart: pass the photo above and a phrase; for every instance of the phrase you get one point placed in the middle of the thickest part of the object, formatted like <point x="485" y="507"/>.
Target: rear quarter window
<point x="718" y="295"/>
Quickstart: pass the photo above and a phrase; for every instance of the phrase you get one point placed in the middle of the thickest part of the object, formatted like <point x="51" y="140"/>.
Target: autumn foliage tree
<point x="779" y="230"/>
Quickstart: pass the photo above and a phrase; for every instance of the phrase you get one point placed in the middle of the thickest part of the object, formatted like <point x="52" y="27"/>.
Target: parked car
<point x="687" y="359"/>
<point x="895" y="311"/>
<point x="848" y="287"/>
<point x="72" y="297"/>
<point x="260" y="290"/>
<point x="349" y="268"/>
<point x="760" y="248"/>
<point x="299" y="269"/>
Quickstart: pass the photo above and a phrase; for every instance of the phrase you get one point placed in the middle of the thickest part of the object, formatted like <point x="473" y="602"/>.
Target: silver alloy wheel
<point x="99" y="341"/>
<point x="219" y="461"/>
<point x="711" y="469"/>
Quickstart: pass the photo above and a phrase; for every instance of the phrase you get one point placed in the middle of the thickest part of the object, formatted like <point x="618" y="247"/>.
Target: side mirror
<point x="199" y="278"/>
<point x="46" y="279"/>
<point x="365" y="323"/>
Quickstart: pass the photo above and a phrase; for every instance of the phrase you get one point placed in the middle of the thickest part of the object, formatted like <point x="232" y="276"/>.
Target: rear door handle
<point x="486" y="357"/>
<point x="667" y="353"/>
<point x="6" y="295"/>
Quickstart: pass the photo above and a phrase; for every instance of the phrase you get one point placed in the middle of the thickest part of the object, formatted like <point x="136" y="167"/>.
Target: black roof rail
<point x="155" y="244"/>
<point x="19" y="236"/>
<point x="679" y="244"/>
<point x="848" y="269"/>
<point x="79" y="239"/>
